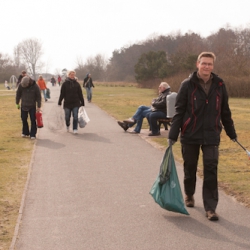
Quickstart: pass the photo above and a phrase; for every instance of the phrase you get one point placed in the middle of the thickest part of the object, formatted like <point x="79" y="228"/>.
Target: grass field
<point x="120" y="102"/>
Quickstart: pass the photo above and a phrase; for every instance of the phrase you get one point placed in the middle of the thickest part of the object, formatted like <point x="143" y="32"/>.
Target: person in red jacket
<point x="59" y="79"/>
<point x="42" y="85"/>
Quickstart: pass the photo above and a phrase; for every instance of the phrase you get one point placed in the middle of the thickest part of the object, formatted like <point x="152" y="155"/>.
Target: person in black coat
<point x="88" y="85"/>
<point x="200" y="111"/>
<point x="71" y="93"/>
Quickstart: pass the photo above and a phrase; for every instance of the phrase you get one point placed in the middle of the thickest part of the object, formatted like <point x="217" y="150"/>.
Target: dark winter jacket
<point x="160" y="103"/>
<point x="199" y="116"/>
<point x="71" y="92"/>
<point x="88" y="83"/>
<point x="30" y="96"/>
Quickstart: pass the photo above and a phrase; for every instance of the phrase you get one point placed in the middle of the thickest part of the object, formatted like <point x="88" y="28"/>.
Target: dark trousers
<point x="24" y="116"/>
<point x="152" y="117"/>
<point x="190" y="154"/>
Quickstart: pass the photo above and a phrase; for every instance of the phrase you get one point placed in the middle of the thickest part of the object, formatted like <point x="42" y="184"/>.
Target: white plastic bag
<point x="83" y="118"/>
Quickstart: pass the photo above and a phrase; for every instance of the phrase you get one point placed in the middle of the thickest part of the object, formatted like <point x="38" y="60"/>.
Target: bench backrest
<point x="171" y="104"/>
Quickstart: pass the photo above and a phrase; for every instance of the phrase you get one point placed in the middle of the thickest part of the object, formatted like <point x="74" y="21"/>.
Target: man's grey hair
<point x="165" y="85"/>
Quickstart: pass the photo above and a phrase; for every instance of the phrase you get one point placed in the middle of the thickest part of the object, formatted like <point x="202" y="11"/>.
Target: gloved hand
<point x="171" y="142"/>
<point x="17" y="106"/>
<point x="234" y="140"/>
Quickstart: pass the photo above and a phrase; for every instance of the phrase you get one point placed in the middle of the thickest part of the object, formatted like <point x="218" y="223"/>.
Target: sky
<point x="75" y="30"/>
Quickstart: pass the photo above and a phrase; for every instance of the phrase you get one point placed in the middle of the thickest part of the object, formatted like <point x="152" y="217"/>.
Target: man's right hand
<point x="17" y="106"/>
<point x="171" y="142"/>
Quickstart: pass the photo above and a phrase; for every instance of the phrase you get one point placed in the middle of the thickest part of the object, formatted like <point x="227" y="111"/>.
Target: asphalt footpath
<point x="91" y="191"/>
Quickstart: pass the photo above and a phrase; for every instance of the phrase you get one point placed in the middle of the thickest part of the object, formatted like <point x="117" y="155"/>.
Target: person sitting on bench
<point x="144" y="111"/>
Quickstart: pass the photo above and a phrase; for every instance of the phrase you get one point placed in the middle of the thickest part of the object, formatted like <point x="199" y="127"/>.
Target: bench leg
<point x="165" y="125"/>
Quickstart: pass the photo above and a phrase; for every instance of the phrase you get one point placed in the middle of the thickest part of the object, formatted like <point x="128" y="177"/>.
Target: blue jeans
<point x="75" y="117"/>
<point x="24" y="117"/>
<point x="44" y="93"/>
<point x="152" y="117"/>
<point x="140" y="113"/>
<point x="89" y="94"/>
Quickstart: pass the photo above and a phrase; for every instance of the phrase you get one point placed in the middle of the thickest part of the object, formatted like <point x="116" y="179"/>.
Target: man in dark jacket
<point x="71" y="93"/>
<point x="88" y="85"/>
<point x="200" y="111"/>
<point x="20" y="78"/>
<point x="29" y="92"/>
<point x="158" y="109"/>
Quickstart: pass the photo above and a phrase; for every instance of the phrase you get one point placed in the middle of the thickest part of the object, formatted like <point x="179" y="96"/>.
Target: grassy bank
<point x="15" y="154"/>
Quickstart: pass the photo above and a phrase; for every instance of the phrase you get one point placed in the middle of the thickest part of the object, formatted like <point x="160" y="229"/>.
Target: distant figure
<point x="53" y="81"/>
<point x="59" y="79"/>
<point x="42" y="85"/>
<point x="88" y="84"/>
<point x="20" y="78"/>
<point x="6" y="85"/>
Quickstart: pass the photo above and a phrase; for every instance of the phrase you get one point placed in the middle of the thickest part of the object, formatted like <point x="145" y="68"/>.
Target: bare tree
<point x="30" y="51"/>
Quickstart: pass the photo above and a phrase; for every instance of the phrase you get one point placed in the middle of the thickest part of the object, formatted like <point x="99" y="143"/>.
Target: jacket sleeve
<point x="62" y="95"/>
<point x="180" y="110"/>
<point x="81" y="96"/>
<point x="18" y="94"/>
<point x="226" y="116"/>
<point x="160" y="102"/>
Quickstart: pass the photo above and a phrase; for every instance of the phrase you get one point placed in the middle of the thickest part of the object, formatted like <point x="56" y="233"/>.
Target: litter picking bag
<point x="83" y="118"/>
<point x="166" y="189"/>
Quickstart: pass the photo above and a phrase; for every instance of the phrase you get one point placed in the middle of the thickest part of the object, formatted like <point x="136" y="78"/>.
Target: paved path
<point x="91" y="191"/>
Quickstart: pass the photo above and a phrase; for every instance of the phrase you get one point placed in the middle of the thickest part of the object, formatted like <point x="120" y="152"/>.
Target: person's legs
<point x="33" y="129"/>
<point x="190" y="155"/>
<point x="152" y="119"/>
<point x="210" y="182"/>
<point x="24" y="117"/>
<point x="144" y="110"/>
<point x="44" y="94"/>
<point x="90" y="94"/>
<point x="75" y="117"/>
<point x="67" y="116"/>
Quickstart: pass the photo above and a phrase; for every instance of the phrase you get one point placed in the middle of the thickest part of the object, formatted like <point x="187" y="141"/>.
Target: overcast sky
<point x="76" y="29"/>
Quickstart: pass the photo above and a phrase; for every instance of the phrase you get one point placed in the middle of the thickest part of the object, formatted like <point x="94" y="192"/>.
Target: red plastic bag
<point x="39" y="119"/>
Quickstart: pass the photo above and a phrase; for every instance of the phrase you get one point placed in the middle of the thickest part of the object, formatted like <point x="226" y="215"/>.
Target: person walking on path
<point x="20" y="78"/>
<point x="53" y="81"/>
<point x="29" y="94"/>
<point x="142" y="112"/>
<point x="158" y="109"/>
<point x="42" y="85"/>
<point x="71" y="93"/>
<point x="200" y="111"/>
<point x="59" y="79"/>
<point x="88" y="85"/>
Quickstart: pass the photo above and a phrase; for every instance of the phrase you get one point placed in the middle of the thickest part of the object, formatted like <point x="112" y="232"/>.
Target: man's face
<point x="205" y="66"/>
<point x="161" y="88"/>
<point x="72" y="75"/>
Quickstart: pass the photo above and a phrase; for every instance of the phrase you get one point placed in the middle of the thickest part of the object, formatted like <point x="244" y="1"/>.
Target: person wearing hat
<point x="29" y="94"/>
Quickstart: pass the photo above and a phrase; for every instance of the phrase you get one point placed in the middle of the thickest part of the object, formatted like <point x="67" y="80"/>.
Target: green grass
<point x="15" y="155"/>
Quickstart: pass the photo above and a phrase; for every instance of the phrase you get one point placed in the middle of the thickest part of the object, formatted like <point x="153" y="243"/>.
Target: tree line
<point x="168" y="58"/>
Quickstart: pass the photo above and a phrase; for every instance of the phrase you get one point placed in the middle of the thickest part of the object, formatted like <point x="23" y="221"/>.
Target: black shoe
<point x="123" y="125"/>
<point x="152" y="134"/>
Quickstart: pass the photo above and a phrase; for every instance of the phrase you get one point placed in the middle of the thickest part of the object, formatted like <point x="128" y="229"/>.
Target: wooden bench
<point x="165" y="122"/>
